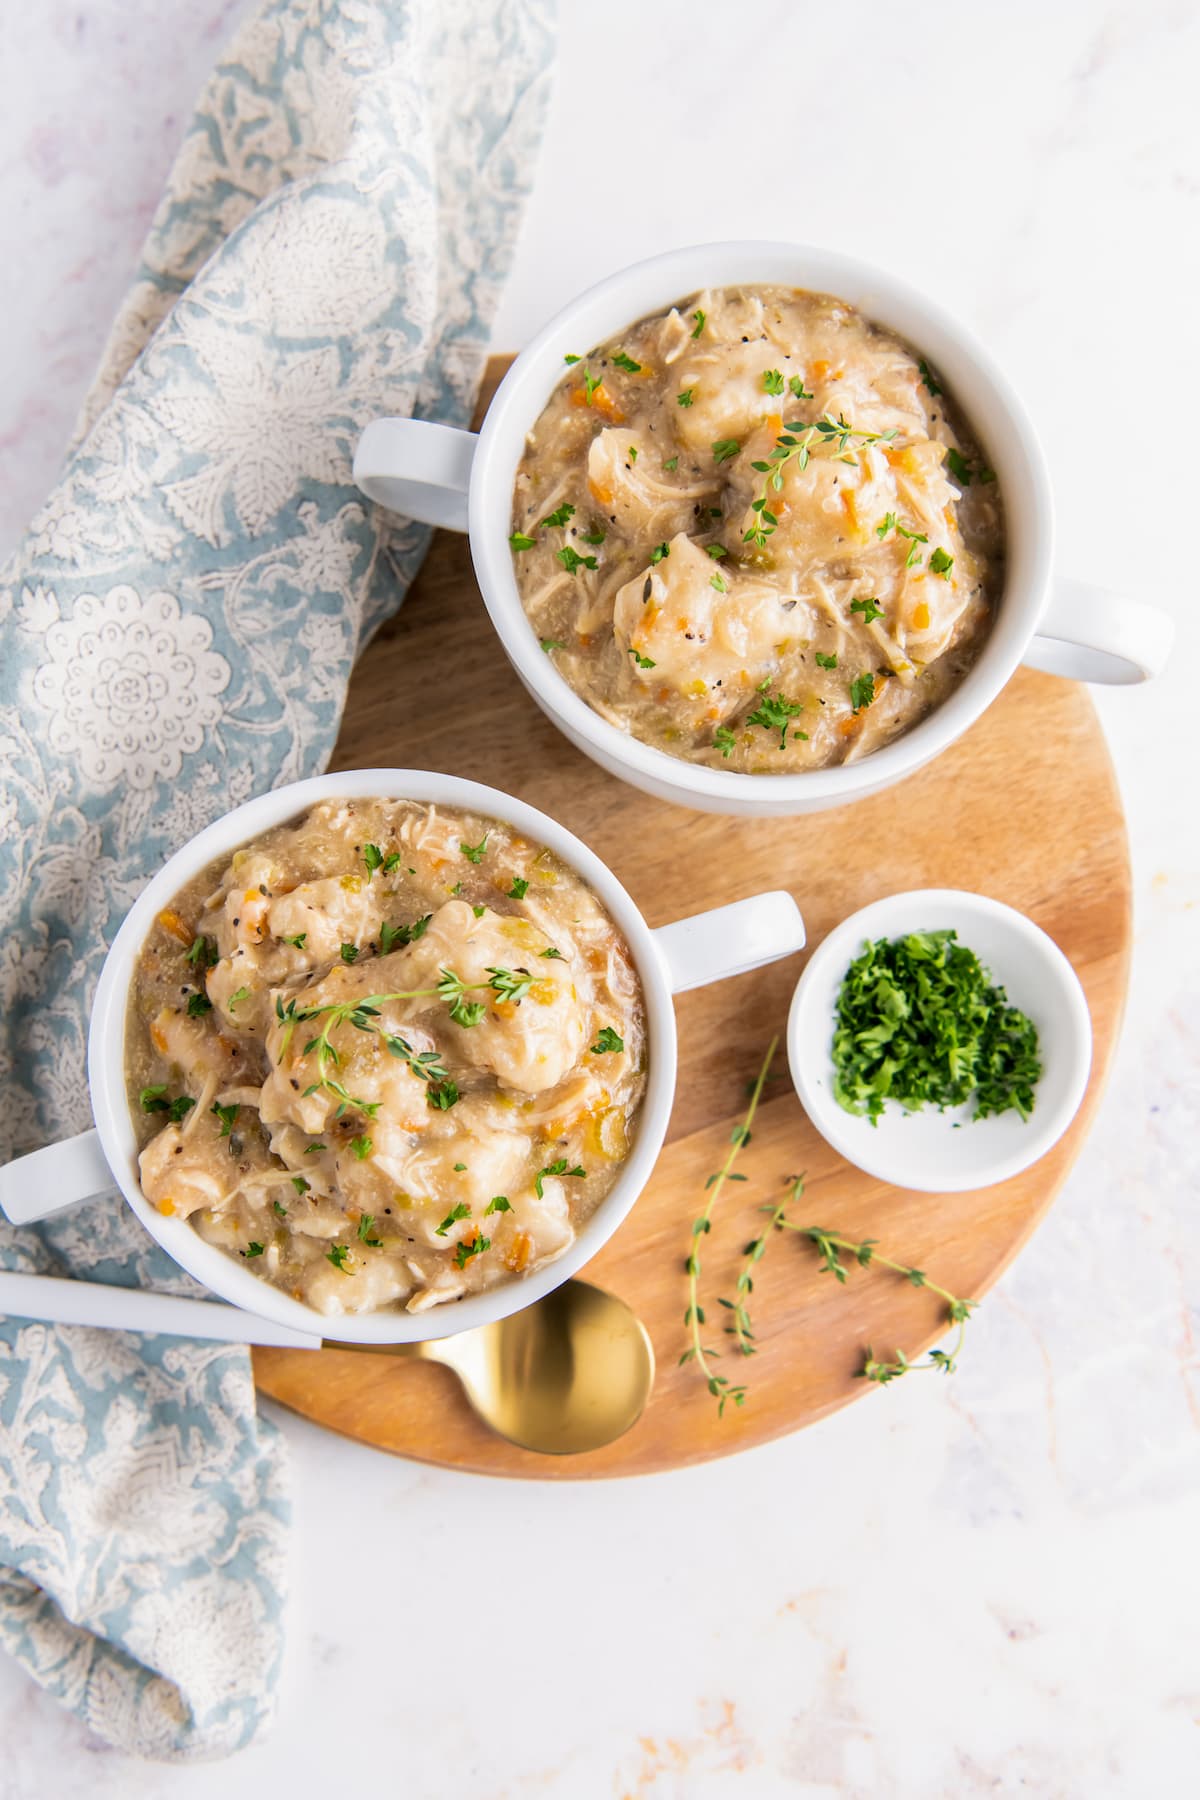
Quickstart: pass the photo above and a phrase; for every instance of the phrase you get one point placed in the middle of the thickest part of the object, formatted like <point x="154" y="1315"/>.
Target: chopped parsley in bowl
<point x="939" y="1040"/>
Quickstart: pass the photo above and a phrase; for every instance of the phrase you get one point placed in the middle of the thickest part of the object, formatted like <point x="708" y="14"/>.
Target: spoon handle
<point x="59" y="1302"/>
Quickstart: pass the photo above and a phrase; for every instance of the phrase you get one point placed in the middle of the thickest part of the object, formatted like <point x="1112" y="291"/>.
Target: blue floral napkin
<point x="176" y="634"/>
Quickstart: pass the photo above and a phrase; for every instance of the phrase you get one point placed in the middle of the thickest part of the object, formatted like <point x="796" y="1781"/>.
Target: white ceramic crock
<point x="690" y="953"/>
<point x="452" y="478"/>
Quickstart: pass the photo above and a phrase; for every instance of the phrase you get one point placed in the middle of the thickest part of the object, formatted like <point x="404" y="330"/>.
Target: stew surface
<point x="755" y="532"/>
<point x="389" y="1055"/>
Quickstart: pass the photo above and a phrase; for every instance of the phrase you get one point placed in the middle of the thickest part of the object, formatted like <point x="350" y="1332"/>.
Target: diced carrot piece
<point x="601" y="402"/>
<point x="158" y="1038"/>
<point x="602" y="494"/>
<point x="175" y="927"/>
<point x="920" y="617"/>
<point x="820" y="370"/>
<point x="849" y="726"/>
<point x="775" y="423"/>
<point x="166" y="1206"/>
<point x="519" y="1253"/>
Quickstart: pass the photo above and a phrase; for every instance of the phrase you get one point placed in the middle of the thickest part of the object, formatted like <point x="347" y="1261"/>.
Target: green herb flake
<point x="724" y="740"/>
<point x="549" y="644"/>
<point x="349" y="953"/>
<point x="568" y="359"/>
<point x="474" y="852"/>
<point x="519" y="888"/>
<point x="797" y="388"/>
<point x="366" y="1226"/>
<point x="498" y="1204"/>
<point x="362" y="1148"/>
<point x="203" y="953"/>
<point x="774" y="713"/>
<point x="826" y="662"/>
<point x="608" y="1042"/>
<point x="298" y="942"/>
<point x="373" y="857"/>
<point x="621" y="361"/>
<point x="659" y="552"/>
<point x="862" y="691"/>
<point x="571" y="560"/>
<point x="553" y="954"/>
<point x="724" y="449"/>
<point x="338" y="1255"/>
<point x="227" y="1115"/>
<point x="466" y="1248"/>
<point x="560" y="1167"/>
<point x="700" y="318"/>
<point x="643" y="662"/>
<point x="869" y="608"/>
<point x="519" y="541"/>
<point x="279" y="1209"/>
<point x="198" y="1005"/>
<point x="930" y="380"/>
<point x="672" y="465"/>
<point x="152" y="1100"/>
<point x="461" y="1211"/>
<point x="596" y="535"/>
<point x="958" y="466"/>
<point x="557" y="519"/>
<point x="252" y="1249"/>
<point x="235" y="1000"/>
<point x="772" y="381"/>
<point x="940" y="563"/>
<point x="685" y="397"/>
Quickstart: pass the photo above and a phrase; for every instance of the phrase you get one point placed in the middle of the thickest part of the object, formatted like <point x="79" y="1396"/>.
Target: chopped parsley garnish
<point x="252" y="1249"/>
<point x="468" y="1012"/>
<point x="659" y="552"/>
<point x="466" y="1248"/>
<point x="724" y="740"/>
<point x="572" y="359"/>
<point x="590" y="384"/>
<point x="362" y="1147"/>
<point x="519" y="541"/>
<point x="672" y="465"/>
<point x="366" y="1226"/>
<point x="724" y="449"/>
<point x="920" y="1021"/>
<point x="608" y="1042"/>
<point x="373" y="857"/>
<point x="869" y="608"/>
<point x="243" y="993"/>
<point x="930" y="379"/>
<point x="479" y="911"/>
<point x="958" y="466"/>
<point x="621" y="361"/>
<point x="391" y="935"/>
<point x="632" y="453"/>
<point x="203" y="953"/>
<point x="442" y="1095"/>
<point x="549" y="644"/>
<point x="558" y="518"/>
<point x="313" y="1150"/>
<point x="561" y="1167"/>
<point x="349" y="953"/>
<point x="497" y="1204"/>
<point x="474" y="852"/>
<point x="519" y="888"/>
<point x="461" y="1211"/>
<point x="862" y="691"/>
<point x="685" y="397"/>
<point x="775" y="713"/>
<point x="279" y="1209"/>
<point x="571" y="560"/>
<point x="596" y="535"/>
<point x="153" y="1099"/>
<point x="716" y="550"/>
<point x="940" y="563"/>
<point x="555" y="955"/>
<point x="797" y="388"/>
<point x="772" y="381"/>
<point x="298" y="1182"/>
<point x="198" y="1005"/>
<point x="719" y="582"/>
<point x="826" y="662"/>
<point x="298" y="942"/>
<point x="643" y="662"/>
<point x="460" y="1168"/>
<point x="700" y="318"/>
<point x="338" y="1255"/>
<point x="227" y="1115"/>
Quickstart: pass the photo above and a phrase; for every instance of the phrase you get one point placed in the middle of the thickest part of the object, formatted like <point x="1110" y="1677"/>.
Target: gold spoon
<point x="569" y="1373"/>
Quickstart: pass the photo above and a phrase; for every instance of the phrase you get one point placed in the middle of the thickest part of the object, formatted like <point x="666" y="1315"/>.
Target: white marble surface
<point x="986" y="1587"/>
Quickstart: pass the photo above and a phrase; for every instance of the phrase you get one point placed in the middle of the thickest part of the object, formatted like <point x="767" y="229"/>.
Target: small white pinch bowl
<point x="950" y="1152"/>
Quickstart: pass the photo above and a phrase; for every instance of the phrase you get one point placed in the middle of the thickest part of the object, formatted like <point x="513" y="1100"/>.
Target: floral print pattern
<point x="176" y="633"/>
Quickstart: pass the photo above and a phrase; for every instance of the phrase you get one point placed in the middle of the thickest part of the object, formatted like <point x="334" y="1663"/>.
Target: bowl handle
<point x="417" y="468"/>
<point x="1089" y="634"/>
<point x="729" y="940"/>
<point x="49" y="1180"/>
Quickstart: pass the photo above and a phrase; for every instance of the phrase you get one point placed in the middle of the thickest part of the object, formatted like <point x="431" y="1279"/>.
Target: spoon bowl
<point x="570" y="1373"/>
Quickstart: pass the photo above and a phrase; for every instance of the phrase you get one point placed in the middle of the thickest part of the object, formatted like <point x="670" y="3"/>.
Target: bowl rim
<point x="212" y="1266"/>
<point x="851" y="1136"/>
<point x="1002" y="425"/>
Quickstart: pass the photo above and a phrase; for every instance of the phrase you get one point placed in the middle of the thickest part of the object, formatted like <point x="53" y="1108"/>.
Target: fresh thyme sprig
<point x="831" y="1247"/>
<point x="441" y="1091"/>
<point x="719" y="1386"/>
<point x="796" y="443"/>
<point x="738" y="1327"/>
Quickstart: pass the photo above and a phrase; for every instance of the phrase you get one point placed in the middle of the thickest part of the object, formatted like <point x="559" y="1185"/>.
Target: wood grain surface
<point x="1024" y="808"/>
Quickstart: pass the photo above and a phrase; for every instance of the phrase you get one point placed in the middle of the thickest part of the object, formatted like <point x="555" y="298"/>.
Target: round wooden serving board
<point x="1024" y="808"/>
